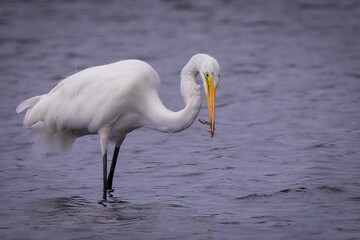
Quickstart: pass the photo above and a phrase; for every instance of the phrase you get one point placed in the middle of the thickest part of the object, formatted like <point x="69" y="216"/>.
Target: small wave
<point x="192" y="174"/>
<point x="352" y="74"/>
<point x="321" y="145"/>
<point x="326" y="145"/>
<point x="252" y="196"/>
<point x="66" y="202"/>
<point x="301" y="190"/>
<point x="231" y="223"/>
<point x="284" y="191"/>
<point x="355" y="199"/>
<point x="172" y="205"/>
<point x="330" y="189"/>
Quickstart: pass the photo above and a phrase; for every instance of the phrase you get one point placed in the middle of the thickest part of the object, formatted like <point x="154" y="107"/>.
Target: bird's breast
<point x="124" y="124"/>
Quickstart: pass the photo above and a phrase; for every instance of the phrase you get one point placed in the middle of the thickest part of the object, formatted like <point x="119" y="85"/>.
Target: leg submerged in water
<point x="112" y="169"/>
<point x="113" y="163"/>
<point x="104" y="175"/>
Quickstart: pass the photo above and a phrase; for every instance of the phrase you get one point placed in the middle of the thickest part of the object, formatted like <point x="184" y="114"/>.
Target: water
<point x="284" y="162"/>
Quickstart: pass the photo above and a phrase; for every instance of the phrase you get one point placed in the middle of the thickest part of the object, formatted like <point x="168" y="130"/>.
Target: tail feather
<point x="28" y="103"/>
<point x="45" y="141"/>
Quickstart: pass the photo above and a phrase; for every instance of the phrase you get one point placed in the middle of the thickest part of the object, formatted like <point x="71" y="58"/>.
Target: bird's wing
<point x="97" y="96"/>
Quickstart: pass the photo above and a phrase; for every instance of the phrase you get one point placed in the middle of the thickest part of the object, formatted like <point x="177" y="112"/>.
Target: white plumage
<point x="113" y="100"/>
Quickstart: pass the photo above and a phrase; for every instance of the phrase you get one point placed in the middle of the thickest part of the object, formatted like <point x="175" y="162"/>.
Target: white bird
<point x="114" y="99"/>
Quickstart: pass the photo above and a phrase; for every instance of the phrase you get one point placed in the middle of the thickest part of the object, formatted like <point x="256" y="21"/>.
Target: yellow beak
<point x="210" y="97"/>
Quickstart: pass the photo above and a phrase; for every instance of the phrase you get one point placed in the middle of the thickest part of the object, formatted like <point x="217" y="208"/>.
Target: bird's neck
<point x="165" y="120"/>
<point x="189" y="89"/>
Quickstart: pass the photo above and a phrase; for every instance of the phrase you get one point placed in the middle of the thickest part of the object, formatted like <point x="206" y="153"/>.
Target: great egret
<point x="115" y="99"/>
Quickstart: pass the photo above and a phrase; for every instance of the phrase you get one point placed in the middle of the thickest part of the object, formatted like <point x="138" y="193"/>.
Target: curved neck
<point x="165" y="120"/>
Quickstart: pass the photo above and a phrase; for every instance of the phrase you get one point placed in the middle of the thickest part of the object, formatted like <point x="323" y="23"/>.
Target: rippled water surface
<point x="283" y="164"/>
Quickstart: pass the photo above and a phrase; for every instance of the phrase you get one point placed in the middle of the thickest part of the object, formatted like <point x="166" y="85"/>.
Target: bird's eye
<point x="206" y="74"/>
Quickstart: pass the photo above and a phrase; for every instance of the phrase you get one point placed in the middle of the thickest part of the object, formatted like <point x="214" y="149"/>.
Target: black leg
<point x="112" y="168"/>
<point x="104" y="174"/>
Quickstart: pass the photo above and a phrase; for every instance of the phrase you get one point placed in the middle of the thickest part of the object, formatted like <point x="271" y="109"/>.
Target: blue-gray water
<point x="285" y="159"/>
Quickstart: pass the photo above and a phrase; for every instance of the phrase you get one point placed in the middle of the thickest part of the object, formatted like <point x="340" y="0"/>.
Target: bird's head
<point x="210" y="75"/>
